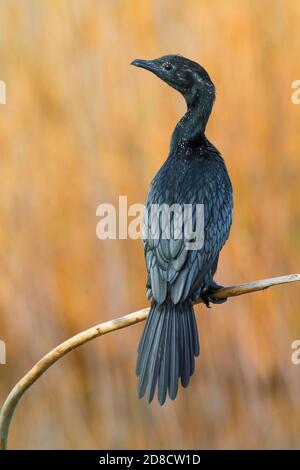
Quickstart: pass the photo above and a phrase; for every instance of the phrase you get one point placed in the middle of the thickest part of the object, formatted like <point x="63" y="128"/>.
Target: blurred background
<point x="81" y="127"/>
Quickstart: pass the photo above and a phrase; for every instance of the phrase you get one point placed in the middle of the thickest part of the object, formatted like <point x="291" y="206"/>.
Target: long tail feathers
<point x="167" y="350"/>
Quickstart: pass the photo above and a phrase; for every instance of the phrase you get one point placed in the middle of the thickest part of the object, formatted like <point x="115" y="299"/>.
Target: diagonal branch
<point x="57" y="353"/>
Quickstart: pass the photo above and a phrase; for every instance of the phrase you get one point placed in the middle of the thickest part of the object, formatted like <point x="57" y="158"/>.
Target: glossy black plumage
<point x="194" y="173"/>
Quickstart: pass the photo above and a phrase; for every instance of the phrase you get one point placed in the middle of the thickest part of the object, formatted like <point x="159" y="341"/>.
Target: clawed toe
<point x="206" y="300"/>
<point x="208" y="296"/>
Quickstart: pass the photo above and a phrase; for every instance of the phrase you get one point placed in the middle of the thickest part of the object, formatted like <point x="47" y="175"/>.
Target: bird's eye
<point x="167" y="66"/>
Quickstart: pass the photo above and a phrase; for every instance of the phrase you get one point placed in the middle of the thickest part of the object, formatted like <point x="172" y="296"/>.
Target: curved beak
<point x="145" y="64"/>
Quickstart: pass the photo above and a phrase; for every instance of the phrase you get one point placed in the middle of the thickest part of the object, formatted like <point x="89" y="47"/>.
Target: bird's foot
<point x="208" y="295"/>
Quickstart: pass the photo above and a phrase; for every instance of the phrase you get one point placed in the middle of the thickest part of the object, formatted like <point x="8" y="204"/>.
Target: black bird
<point x="194" y="173"/>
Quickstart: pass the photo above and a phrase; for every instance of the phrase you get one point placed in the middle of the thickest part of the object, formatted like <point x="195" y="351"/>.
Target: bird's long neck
<point x="191" y="126"/>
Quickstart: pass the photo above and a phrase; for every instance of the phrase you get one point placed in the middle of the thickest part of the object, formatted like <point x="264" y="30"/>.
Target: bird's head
<point x="185" y="75"/>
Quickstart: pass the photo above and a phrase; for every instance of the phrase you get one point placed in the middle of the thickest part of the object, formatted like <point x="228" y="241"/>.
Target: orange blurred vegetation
<point x="82" y="127"/>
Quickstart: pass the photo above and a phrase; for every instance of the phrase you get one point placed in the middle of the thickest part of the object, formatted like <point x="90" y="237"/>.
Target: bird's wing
<point x="171" y="267"/>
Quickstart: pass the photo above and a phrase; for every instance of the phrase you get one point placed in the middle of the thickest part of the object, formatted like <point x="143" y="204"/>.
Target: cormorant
<point x="193" y="174"/>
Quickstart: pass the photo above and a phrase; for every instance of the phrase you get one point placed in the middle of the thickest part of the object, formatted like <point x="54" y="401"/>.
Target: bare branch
<point x="57" y="353"/>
